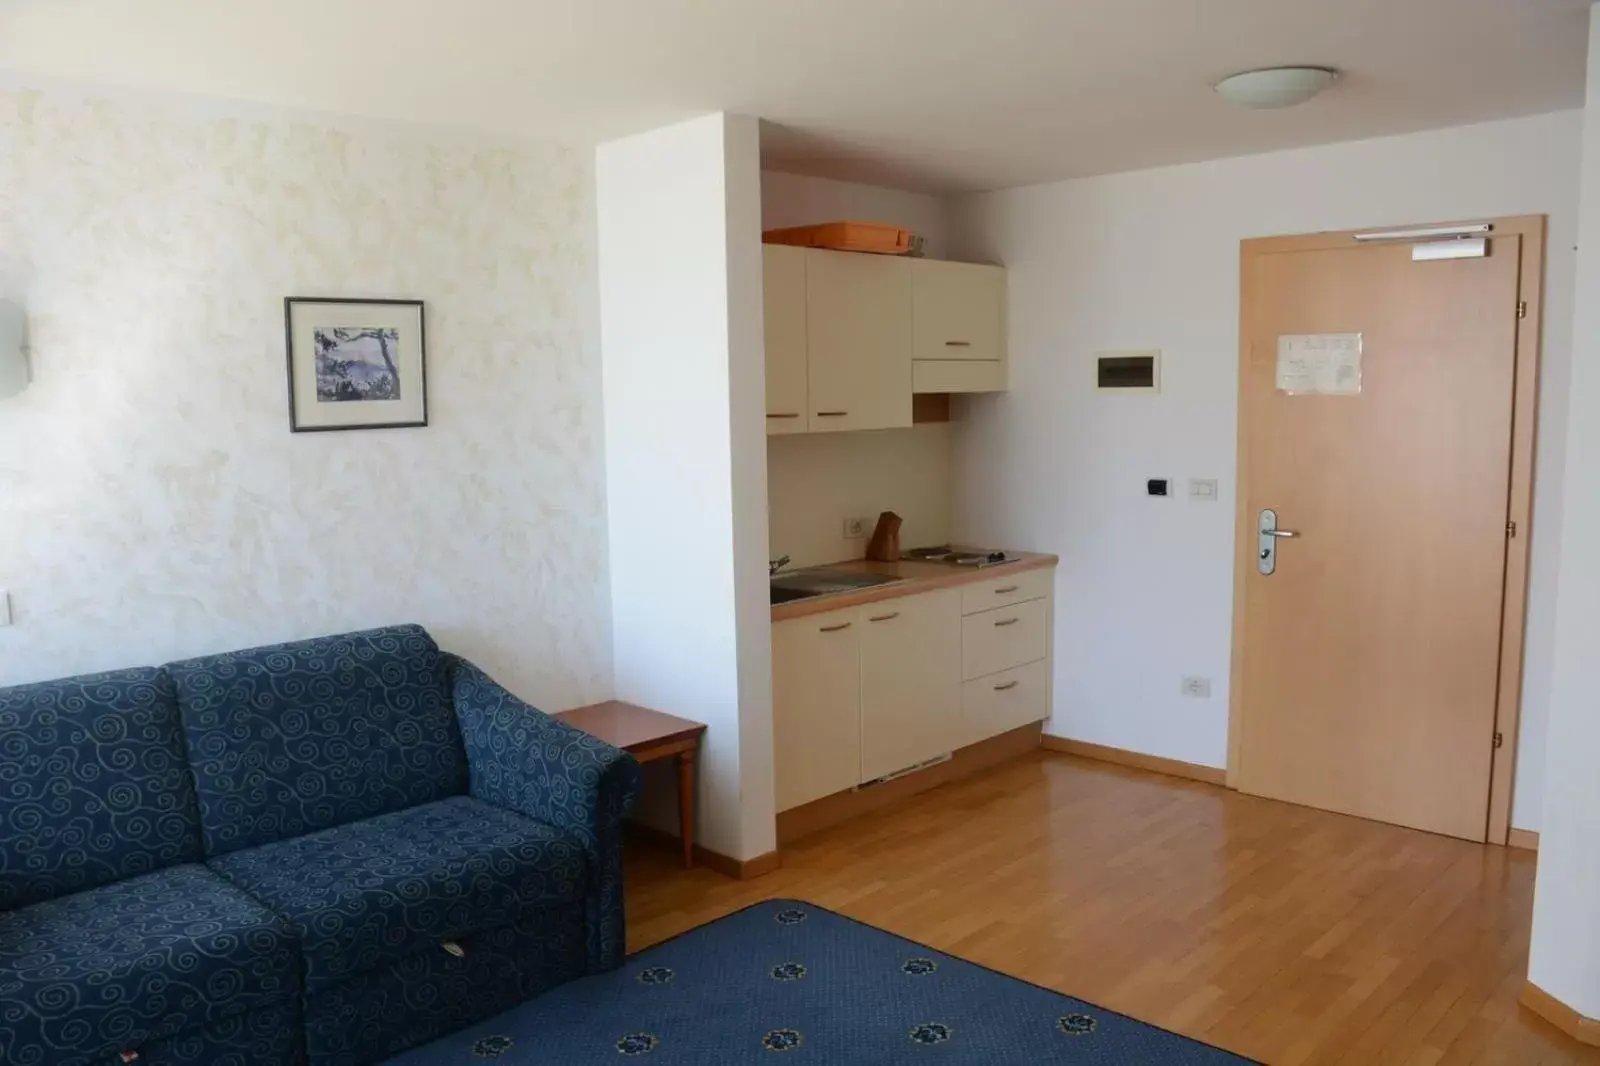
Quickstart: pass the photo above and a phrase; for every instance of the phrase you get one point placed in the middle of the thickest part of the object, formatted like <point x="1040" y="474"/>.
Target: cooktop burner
<point x="959" y="555"/>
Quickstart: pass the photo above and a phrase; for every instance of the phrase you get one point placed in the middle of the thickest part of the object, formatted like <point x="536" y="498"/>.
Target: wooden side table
<point x="648" y="735"/>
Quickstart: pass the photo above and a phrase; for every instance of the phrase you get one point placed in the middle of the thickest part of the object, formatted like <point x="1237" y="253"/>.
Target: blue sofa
<point x="321" y="852"/>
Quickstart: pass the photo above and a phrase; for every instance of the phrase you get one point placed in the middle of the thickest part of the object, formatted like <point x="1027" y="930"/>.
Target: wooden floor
<point x="1285" y="934"/>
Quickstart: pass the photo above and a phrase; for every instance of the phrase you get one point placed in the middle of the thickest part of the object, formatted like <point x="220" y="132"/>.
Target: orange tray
<point x="845" y="237"/>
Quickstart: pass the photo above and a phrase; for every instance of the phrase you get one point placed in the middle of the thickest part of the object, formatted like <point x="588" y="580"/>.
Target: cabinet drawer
<point x="992" y="705"/>
<point x="958" y="375"/>
<point x="1003" y="638"/>
<point x="1003" y="591"/>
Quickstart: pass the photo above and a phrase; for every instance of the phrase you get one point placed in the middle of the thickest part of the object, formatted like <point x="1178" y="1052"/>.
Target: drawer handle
<point x="1008" y="590"/>
<point x="1007" y="622"/>
<point x="1007" y="687"/>
<point x="834" y="629"/>
<point x="832" y="414"/>
<point x="958" y="344"/>
<point x="782" y="416"/>
<point x="885" y="617"/>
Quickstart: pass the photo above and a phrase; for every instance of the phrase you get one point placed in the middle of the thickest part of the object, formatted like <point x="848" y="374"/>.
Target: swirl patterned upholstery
<point x="368" y="894"/>
<point x="120" y="966"/>
<point x="395" y="847"/>
<point x="289" y="739"/>
<point x="93" y="785"/>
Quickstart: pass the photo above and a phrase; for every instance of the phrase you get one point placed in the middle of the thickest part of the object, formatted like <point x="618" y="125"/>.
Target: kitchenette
<point x="903" y="671"/>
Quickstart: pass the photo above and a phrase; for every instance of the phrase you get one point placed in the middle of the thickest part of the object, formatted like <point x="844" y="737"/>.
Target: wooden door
<point x="784" y="283"/>
<point x="858" y="328"/>
<point x="1368" y="666"/>
<point x="816" y="707"/>
<point x="958" y="310"/>
<point x="910" y="681"/>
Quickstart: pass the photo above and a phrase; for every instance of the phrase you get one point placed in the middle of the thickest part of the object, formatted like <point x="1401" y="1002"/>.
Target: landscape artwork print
<point x="355" y="364"/>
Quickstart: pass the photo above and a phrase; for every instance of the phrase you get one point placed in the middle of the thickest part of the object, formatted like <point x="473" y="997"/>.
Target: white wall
<point x="817" y="480"/>
<point x="153" y="503"/>
<point x="684" y="385"/>
<point x="1564" y="959"/>
<point x="798" y="200"/>
<point x="1150" y="260"/>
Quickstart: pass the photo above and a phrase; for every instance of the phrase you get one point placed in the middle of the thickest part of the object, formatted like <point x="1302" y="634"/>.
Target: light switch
<point x="1202" y="488"/>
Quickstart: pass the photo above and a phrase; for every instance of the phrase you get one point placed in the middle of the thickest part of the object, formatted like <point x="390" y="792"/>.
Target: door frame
<point x="1524" y="437"/>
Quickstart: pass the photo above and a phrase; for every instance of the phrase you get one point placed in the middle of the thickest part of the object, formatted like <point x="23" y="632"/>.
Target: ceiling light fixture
<point x="1275" y="86"/>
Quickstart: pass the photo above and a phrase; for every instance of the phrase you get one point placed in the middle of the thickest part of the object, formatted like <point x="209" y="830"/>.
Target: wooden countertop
<point x="913" y="577"/>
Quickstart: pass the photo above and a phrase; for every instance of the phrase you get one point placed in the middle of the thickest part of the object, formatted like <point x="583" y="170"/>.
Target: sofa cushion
<point x="294" y="738"/>
<point x="88" y="975"/>
<point x="370" y="893"/>
<point x="93" y="785"/>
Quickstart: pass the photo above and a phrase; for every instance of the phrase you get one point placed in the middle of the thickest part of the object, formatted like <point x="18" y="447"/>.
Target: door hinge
<point x="1511" y="529"/>
<point x="1522" y="308"/>
<point x="1499" y="741"/>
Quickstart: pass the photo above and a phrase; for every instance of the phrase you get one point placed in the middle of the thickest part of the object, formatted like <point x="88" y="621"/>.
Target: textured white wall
<point x="153" y="502"/>
<point x="1150" y="260"/>
<point x="1564" y="958"/>
<point x="684" y="384"/>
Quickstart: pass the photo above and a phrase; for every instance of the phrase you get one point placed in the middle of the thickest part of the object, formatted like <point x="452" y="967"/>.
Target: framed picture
<point x="355" y="364"/>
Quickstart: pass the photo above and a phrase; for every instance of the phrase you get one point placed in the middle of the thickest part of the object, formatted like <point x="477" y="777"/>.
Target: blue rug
<point x="787" y="982"/>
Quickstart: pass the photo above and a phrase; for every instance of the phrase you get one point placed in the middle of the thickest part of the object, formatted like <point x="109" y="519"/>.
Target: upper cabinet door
<point x="959" y="310"/>
<point x="858" y="329"/>
<point x="784" y="276"/>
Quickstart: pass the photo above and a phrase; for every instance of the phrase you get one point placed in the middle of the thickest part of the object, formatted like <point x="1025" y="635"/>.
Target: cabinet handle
<point x="958" y="344"/>
<point x="885" y="617"/>
<point x="1008" y="590"/>
<point x="834" y="629"/>
<point x="832" y="414"/>
<point x="782" y="416"/>
<point x="1007" y="687"/>
<point x="1007" y="622"/>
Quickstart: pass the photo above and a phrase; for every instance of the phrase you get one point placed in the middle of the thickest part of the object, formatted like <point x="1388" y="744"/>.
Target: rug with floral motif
<point x="785" y="982"/>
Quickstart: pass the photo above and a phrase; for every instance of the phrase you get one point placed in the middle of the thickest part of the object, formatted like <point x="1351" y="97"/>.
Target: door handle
<point x="1267" y="536"/>
<point x="834" y="629"/>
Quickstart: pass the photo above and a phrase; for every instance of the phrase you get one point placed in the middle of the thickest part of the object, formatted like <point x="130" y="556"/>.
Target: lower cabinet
<point x="864" y="692"/>
<point x="816" y="707"/>
<point x="910" y="681"/>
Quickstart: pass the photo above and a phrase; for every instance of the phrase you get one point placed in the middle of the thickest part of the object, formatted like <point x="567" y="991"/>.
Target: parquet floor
<point x="1285" y="934"/>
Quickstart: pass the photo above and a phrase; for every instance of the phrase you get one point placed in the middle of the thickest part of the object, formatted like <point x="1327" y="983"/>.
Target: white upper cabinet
<point x="958" y="310"/>
<point x="858" y="340"/>
<point x="784" y="277"/>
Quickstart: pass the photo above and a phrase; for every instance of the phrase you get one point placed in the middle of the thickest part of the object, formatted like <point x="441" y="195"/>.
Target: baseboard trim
<point x="1527" y="839"/>
<point x="1211" y="775"/>
<point x="829" y="811"/>
<point x="1582" y="1029"/>
<point x="726" y="865"/>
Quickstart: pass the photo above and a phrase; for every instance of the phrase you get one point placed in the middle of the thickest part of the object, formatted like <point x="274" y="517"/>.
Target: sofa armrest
<point x="521" y="759"/>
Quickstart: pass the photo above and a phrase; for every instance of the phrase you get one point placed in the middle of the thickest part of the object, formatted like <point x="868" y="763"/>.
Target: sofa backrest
<point x="93" y="784"/>
<point x="289" y="739"/>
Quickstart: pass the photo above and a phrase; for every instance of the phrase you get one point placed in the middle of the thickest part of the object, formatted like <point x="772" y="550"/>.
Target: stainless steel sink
<point x="804" y="584"/>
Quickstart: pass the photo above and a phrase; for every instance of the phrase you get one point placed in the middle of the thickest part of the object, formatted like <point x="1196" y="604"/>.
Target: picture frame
<point x="355" y="363"/>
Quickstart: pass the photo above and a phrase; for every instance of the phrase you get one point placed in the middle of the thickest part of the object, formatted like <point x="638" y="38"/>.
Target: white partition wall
<point x="1565" y="956"/>
<point x="679" y="213"/>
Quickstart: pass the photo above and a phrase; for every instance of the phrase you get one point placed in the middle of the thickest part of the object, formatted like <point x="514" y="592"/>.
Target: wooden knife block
<point x="884" y="547"/>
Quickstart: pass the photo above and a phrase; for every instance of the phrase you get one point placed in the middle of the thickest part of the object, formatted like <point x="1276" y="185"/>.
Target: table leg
<point x="686" y="805"/>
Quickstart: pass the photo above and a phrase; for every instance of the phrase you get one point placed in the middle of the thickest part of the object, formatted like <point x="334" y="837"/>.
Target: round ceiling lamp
<point x="1275" y="86"/>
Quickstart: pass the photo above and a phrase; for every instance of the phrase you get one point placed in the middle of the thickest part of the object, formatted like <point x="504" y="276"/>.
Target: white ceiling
<point x="939" y="95"/>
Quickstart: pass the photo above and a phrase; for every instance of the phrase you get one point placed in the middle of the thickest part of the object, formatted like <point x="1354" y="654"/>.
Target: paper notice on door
<point x="1319" y="364"/>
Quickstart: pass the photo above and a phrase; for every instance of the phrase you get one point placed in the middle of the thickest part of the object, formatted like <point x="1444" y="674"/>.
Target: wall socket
<point x="1197" y="688"/>
<point x="855" y="528"/>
